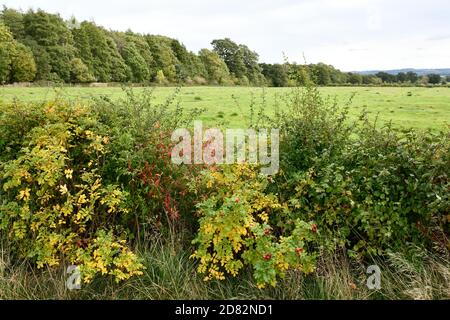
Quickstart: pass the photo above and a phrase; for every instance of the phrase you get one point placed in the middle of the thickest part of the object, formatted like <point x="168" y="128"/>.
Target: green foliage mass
<point x="16" y="60"/>
<point x="369" y="189"/>
<point x="55" y="207"/>
<point x="216" y="69"/>
<point x="112" y="56"/>
<point x="63" y="50"/>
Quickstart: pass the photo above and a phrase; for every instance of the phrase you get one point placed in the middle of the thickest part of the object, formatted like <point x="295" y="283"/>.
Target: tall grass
<point x="171" y="275"/>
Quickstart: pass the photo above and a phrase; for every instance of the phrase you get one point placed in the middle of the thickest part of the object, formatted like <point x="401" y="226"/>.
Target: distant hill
<point x="420" y="72"/>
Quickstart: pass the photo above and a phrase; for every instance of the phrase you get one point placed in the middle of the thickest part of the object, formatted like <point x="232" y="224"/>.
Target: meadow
<point x="409" y="107"/>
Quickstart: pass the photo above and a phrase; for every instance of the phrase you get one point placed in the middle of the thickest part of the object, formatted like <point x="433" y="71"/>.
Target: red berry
<point x="314" y="228"/>
<point x="267" y="256"/>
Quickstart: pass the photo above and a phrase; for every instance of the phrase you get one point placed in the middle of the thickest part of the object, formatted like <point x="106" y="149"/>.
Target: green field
<point x="421" y="108"/>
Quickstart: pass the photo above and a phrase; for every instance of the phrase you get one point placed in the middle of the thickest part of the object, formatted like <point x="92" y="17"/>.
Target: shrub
<point x="56" y="209"/>
<point x="369" y="189"/>
<point x="241" y="224"/>
<point x="140" y="161"/>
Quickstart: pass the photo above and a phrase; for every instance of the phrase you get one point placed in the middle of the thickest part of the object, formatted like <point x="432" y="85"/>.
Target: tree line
<point x="288" y="74"/>
<point x="39" y="46"/>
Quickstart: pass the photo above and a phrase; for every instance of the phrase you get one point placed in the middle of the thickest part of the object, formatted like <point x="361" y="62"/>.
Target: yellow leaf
<point x="24" y="194"/>
<point x="68" y="173"/>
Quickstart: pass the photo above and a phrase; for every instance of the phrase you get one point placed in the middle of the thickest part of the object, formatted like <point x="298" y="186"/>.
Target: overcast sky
<point x="349" y="34"/>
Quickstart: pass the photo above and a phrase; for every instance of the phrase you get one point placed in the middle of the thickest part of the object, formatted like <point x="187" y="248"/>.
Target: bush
<point x="241" y="224"/>
<point x="140" y="161"/>
<point x="56" y="209"/>
<point x="369" y="189"/>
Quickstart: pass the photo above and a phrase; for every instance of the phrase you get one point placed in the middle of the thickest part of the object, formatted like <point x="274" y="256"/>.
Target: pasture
<point x="421" y="108"/>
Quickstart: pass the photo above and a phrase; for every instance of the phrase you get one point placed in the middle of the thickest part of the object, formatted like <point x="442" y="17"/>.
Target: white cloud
<point x="350" y="34"/>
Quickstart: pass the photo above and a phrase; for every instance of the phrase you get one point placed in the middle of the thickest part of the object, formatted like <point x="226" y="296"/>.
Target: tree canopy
<point x="16" y="60"/>
<point x="36" y="45"/>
